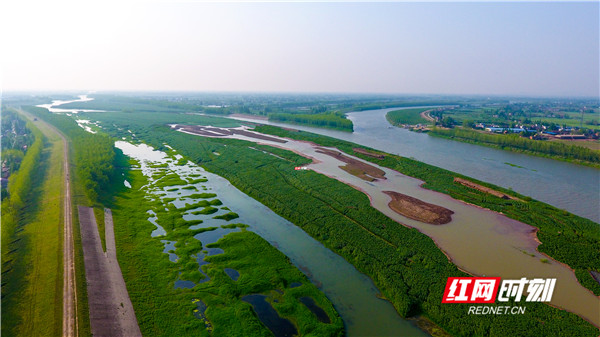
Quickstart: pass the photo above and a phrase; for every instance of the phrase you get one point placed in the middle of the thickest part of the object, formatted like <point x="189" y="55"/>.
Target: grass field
<point x="407" y="116"/>
<point x="590" y="144"/>
<point x="37" y="302"/>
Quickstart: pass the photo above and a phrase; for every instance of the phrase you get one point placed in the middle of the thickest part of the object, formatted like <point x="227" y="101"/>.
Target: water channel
<point x="353" y="294"/>
<point x="477" y="240"/>
<point x="572" y="187"/>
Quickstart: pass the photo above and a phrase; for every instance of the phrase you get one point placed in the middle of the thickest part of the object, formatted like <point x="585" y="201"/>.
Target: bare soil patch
<point x="419" y="210"/>
<point x="111" y="311"/>
<point x="368" y="153"/>
<point x="485" y="189"/>
<point x="355" y="167"/>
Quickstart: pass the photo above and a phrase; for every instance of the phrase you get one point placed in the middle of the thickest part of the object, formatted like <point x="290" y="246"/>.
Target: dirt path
<point x="70" y="326"/>
<point x="69" y="320"/>
<point x="427" y="116"/>
<point x="111" y="311"/>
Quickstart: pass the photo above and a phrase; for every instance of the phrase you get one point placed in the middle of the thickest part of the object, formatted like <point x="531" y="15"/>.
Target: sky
<point x="509" y="48"/>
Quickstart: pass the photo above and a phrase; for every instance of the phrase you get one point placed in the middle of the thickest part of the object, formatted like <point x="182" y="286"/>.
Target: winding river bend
<point x="567" y="186"/>
<point x="352" y="293"/>
<point x="479" y="241"/>
<point x="572" y="187"/>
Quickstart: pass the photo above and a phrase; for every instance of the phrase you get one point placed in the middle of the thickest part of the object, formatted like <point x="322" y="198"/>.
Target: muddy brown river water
<point x="479" y="241"/>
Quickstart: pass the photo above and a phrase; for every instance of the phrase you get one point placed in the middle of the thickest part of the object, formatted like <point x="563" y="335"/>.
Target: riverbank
<point x="553" y="150"/>
<point x="32" y="273"/>
<point x="189" y="277"/>
<point x="577" y="183"/>
<point x="370" y="233"/>
<point x="531" y="210"/>
<point x="279" y="188"/>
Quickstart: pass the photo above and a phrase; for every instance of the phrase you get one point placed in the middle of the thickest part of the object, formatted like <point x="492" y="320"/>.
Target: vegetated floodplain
<point x="565" y="237"/>
<point x="32" y="240"/>
<point x="405" y="264"/>
<point x="191" y="294"/>
<point x="94" y="182"/>
<point x="406" y="117"/>
<point x="563" y="129"/>
<point x="333" y="120"/>
<point x="554" y="150"/>
<point x="408" y="272"/>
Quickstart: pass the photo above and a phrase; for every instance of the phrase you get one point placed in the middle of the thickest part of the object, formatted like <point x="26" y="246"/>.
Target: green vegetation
<point x="32" y="241"/>
<point x="201" y="196"/>
<point x="94" y="154"/>
<point x="171" y="179"/>
<point x="163" y="310"/>
<point x="406" y="116"/>
<point x="16" y="138"/>
<point x="402" y="103"/>
<point x="404" y="264"/>
<point x="513" y="142"/>
<point x="256" y="260"/>
<point x="556" y="112"/>
<point x="332" y="121"/>
<point x="227" y="216"/>
<point x="94" y="183"/>
<point x="206" y="210"/>
<point x="565" y="237"/>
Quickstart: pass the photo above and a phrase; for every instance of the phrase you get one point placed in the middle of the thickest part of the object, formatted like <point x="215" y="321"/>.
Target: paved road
<point x="111" y="311"/>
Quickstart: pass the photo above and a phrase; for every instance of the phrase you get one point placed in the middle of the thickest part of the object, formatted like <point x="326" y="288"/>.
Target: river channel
<point x="572" y="187"/>
<point x="467" y="239"/>
<point x="479" y="241"/>
<point x="353" y="294"/>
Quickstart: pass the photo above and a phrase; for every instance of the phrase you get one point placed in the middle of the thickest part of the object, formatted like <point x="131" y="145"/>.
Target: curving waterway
<point x="479" y="241"/>
<point x="352" y="293"/>
<point x="572" y="187"/>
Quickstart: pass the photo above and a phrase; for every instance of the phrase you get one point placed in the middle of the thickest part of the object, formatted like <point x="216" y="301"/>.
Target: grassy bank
<point x="406" y="116"/>
<point x="32" y="241"/>
<point x="554" y="150"/>
<point x="565" y="237"/>
<point x="164" y="311"/>
<point x="94" y="182"/>
<point x="335" y="121"/>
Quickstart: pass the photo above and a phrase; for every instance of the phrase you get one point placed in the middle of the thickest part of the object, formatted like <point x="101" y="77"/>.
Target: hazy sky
<point x="448" y="48"/>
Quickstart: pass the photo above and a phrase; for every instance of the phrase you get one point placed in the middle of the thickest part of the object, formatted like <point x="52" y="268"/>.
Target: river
<point x="352" y="293"/>
<point x="467" y="239"/>
<point x="572" y="187"/>
<point x="568" y="186"/>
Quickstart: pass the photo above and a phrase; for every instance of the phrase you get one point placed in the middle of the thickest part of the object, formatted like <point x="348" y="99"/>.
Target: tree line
<point x="515" y="142"/>
<point x="14" y="211"/>
<point x="330" y="120"/>
<point x="16" y="138"/>
<point x="94" y="154"/>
